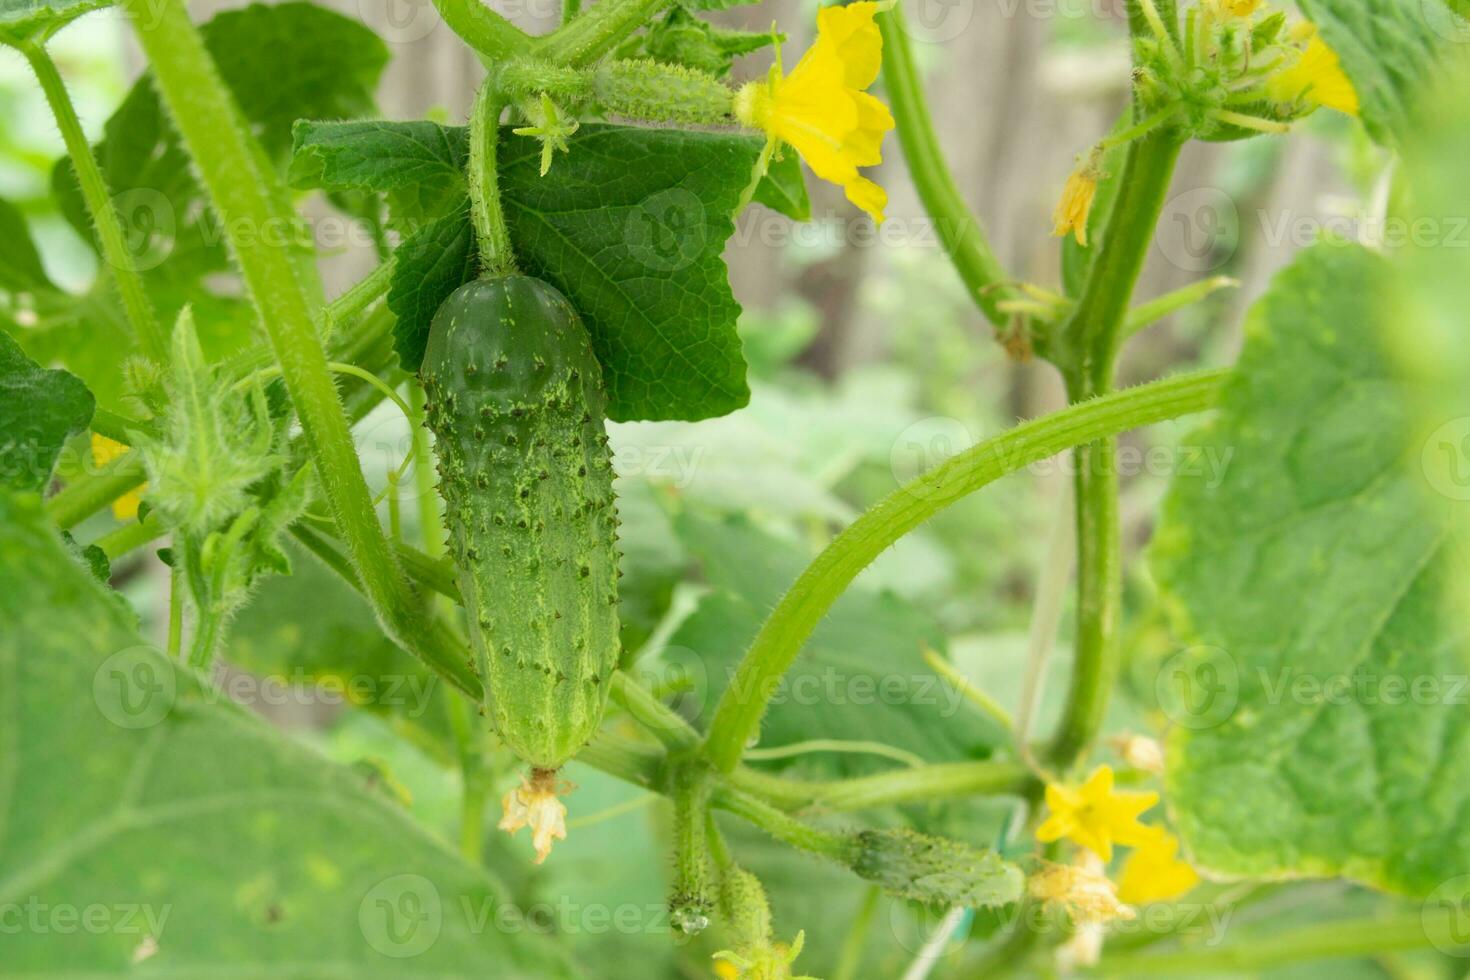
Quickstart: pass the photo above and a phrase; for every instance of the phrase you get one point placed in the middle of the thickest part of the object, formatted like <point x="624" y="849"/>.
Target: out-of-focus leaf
<point x="279" y="62"/>
<point x="1389" y="50"/>
<point x="39" y="409"/>
<point x="861" y="676"/>
<point x="129" y="785"/>
<point x="1310" y="583"/>
<point x="310" y="628"/>
<point x="20" y="263"/>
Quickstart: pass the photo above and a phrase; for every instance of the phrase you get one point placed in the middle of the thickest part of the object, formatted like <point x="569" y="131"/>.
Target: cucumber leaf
<point x="39" y="410"/>
<point x="214" y="844"/>
<point x="1388" y="49"/>
<point x="423" y="159"/>
<point x="1320" y="723"/>
<point x="630" y="225"/>
<point x="431" y="263"/>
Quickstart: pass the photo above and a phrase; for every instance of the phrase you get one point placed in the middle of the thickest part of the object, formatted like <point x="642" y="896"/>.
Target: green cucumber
<point x="518" y="410"/>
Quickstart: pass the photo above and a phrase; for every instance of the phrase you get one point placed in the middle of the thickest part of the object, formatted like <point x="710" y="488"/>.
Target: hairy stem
<point x="490" y="34"/>
<point x="1086" y="353"/>
<point x="922" y="784"/>
<point x="657" y="718"/>
<point x="691" y="896"/>
<point x="784" y="827"/>
<point x="737" y="716"/>
<point x="496" y="256"/>
<point x="243" y="195"/>
<point x="85" y="496"/>
<point x="115" y="252"/>
<point x="601" y="28"/>
<point x="130" y="536"/>
<point x="959" y="230"/>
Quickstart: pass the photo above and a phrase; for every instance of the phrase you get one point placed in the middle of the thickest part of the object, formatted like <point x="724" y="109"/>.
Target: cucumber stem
<point x="496" y="256"/>
<point x="115" y="251"/>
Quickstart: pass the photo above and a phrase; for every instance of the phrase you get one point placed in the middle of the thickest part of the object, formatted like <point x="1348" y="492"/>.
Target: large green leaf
<point x="1320" y="713"/>
<point x="202" y="841"/>
<point x="1389" y="49"/>
<point x="39" y="409"/>
<point x="630" y="225"/>
<point x="1435" y="292"/>
<point x="310" y="628"/>
<point x="861" y="677"/>
<point x="378" y="155"/>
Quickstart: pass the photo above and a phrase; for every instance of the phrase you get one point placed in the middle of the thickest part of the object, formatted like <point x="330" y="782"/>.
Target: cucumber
<point x="517" y="406"/>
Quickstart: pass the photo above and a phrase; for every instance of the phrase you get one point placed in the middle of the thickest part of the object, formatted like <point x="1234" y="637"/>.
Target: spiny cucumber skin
<point x="516" y="403"/>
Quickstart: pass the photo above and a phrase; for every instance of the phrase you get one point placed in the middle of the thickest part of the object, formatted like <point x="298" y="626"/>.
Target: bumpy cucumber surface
<point x="516" y="403"/>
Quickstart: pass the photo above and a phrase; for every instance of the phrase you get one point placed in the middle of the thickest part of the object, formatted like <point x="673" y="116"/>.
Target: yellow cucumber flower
<point x="104" y="451"/>
<point x="821" y="110"/>
<point x="1316" y="78"/>
<point x="1095" y="815"/>
<point x="1156" y="873"/>
<point x="1075" y="206"/>
<point x="1241" y="8"/>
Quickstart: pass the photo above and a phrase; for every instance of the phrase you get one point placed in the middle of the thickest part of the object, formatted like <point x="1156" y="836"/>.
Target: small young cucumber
<point x="516" y="403"/>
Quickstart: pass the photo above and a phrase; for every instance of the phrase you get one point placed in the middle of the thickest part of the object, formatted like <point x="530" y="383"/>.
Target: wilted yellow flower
<point x="1081" y="889"/>
<point x="1140" y="752"/>
<point x="534" y="804"/>
<point x="1073" y="209"/>
<point x="1155" y="872"/>
<point x="104" y="451"/>
<point x="821" y="108"/>
<point x="1316" y="77"/>
<point x="1095" y="815"/>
